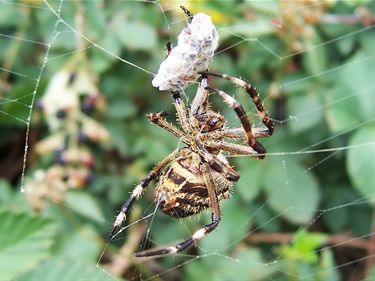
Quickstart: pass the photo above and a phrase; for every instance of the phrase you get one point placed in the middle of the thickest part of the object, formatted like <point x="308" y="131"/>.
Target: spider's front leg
<point x="159" y="120"/>
<point x="252" y="93"/>
<point x="136" y="194"/>
<point x="257" y="146"/>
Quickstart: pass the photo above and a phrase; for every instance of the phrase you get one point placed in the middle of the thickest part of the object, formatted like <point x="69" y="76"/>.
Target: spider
<point x="197" y="176"/>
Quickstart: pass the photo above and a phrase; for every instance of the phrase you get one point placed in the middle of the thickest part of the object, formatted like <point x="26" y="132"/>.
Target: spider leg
<point x="235" y="133"/>
<point x="169" y="48"/>
<point x="137" y="192"/>
<point x="187" y="12"/>
<point x="216" y="164"/>
<point x="233" y="148"/>
<point x="159" y="120"/>
<point x="257" y="146"/>
<point x="253" y="94"/>
<point x="200" y="98"/>
<point x="200" y="233"/>
<point x="182" y="112"/>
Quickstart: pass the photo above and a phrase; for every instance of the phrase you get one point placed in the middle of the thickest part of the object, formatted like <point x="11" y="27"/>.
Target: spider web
<point x="288" y="219"/>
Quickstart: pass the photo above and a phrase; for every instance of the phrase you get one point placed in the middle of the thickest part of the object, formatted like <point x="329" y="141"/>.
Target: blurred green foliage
<point x="315" y="76"/>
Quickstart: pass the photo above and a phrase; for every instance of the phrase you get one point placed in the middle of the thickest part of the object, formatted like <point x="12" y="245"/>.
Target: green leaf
<point x="246" y="262"/>
<point x="11" y="16"/>
<point x="5" y="191"/>
<point x="252" y="173"/>
<point x="345" y="45"/>
<point x="303" y="247"/>
<point x="252" y="30"/>
<point x="305" y="244"/>
<point x="121" y="108"/>
<point x="136" y="35"/>
<point x="101" y="61"/>
<point x="234" y="227"/>
<point x="355" y="3"/>
<point x="306" y="111"/>
<point x="342" y="112"/>
<point x="357" y="78"/>
<point x="372" y="271"/>
<point x="64" y="268"/>
<point x="25" y="240"/>
<point x="84" y="243"/>
<point x="329" y="271"/>
<point x="16" y="105"/>
<point x="292" y="191"/>
<point x="351" y="101"/>
<point x="119" y="135"/>
<point x="85" y="204"/>
<point x="264" y="218"/>
<point x="315" y="60"/>
<point x="337" y="218"/>
<point x="360" y="162"/>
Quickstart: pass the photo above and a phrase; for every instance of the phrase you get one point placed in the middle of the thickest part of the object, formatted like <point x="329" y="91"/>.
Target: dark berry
<point x="59" y="157"/>
<point x="61" y="114"/>
<point x="89" y="178"/>
<point x="72" y="78"/>
<point x="82" y="137"/>
<point x="88" y="105"/>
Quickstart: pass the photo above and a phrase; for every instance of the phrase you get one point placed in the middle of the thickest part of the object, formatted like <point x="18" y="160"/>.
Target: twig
<point x="282" y="238"/>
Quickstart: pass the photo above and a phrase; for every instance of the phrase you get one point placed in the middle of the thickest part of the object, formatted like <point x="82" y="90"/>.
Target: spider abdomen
<point x="182" y="190"/>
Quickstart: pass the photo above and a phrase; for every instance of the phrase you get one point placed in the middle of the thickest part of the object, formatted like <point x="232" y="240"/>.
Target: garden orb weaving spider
<point x="197" y="176"/>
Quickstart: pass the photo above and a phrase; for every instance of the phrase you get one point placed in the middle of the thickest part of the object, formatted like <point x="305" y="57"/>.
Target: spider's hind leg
<point x="137" y="192"/>
<point x="198" y="235"/>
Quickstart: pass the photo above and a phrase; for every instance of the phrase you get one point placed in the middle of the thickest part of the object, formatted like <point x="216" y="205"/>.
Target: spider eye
<point x="212" y="122"/>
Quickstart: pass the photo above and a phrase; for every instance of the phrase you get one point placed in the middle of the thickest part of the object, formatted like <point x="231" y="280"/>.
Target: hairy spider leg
<point x="233" y="148"/>
<point x="200" y="97"/>
<point x="181" y="111"/>
<point x="257" y="146"/>
<point x="159" y="120"/>
<point x="253" y="94"/>
<point x="137" y="193"/>
<point x="187" y="12"/>
<point x="239" y="133"/>
<point x="169" y="48"/>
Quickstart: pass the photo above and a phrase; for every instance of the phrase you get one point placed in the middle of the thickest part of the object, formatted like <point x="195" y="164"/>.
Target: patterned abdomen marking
<point x="182" y="191"/>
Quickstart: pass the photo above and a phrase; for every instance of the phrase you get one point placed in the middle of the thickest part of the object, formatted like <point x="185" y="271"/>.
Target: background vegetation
<point x="89" y="141"/>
